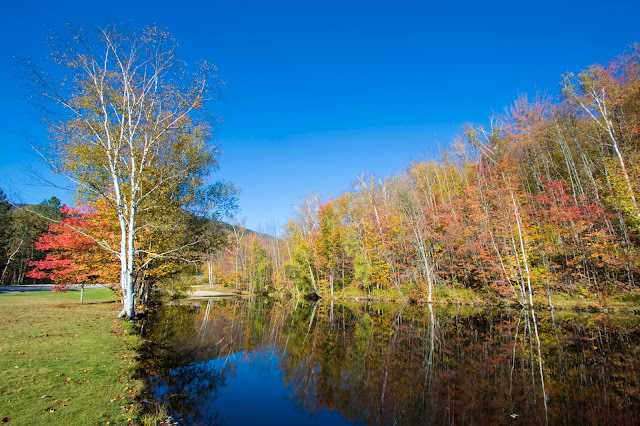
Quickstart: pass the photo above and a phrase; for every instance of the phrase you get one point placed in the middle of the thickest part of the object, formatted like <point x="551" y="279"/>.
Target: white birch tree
<point x="128" y="124"/>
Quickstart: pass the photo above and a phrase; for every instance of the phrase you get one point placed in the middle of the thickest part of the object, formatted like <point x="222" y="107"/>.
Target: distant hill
<point x="227" y="227"/>
<point x="15" y="206"/>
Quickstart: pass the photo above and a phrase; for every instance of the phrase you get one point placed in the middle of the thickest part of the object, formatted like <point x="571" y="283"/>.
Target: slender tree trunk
<point x="4" y="271"/>
<point x="331" y="282"/>
<point x="601" y="102"/>
<point x="124" y="287"/>
<point x="524" y="252"/>
<point x="313" y="279"/>
<point x="425" y="261"/>
<point x="210" y="272"/>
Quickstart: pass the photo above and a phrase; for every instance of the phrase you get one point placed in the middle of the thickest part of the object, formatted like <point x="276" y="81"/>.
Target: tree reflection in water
<point x="401" y="364"/>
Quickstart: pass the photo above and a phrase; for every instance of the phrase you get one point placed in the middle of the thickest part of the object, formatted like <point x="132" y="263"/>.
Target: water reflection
<point x="356" y="363"/>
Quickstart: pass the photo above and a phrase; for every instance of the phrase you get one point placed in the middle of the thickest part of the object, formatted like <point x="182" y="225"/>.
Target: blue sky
<point x="318" y="92"/>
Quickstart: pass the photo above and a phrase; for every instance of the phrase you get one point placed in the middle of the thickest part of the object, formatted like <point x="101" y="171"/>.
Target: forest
<point x="541" y="201"/>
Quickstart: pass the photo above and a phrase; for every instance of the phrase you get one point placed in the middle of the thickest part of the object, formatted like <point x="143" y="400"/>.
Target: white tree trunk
<point x="4" y="271"/>
<point x="131" y="295"/>
<point x="124" y="287"/>
<point x="210" y="272"/>
<point x="524" y="252"/>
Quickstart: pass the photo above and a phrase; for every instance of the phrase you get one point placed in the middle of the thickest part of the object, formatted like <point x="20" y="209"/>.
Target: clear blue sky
<point x="320" y="91"/>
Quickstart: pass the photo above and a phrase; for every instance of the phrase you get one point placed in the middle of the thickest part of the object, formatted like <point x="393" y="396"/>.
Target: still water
<point x="265" y="361"/>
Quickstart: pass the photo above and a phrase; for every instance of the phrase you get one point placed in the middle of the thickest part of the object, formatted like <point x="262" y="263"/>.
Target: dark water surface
<point x="275" y="362"/>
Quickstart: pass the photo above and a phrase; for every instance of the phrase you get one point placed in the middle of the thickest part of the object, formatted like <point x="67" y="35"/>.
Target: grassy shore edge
<point x="63" y="362"/>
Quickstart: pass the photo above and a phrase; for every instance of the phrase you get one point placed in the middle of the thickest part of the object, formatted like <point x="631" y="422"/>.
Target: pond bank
<point x="204" y="294"/>
<point x="627" y="302"/>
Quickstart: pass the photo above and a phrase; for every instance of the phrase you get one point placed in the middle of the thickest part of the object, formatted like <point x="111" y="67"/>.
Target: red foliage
<point x="73" y="258"/>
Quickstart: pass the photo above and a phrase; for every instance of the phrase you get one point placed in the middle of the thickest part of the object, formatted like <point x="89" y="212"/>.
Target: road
<point x="39" y="287"/>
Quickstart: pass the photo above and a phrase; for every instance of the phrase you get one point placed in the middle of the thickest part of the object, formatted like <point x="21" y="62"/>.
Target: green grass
<point x="353" y="291"/>
<point x="462" y="296"/>
<point x="623" y="301"/>
<point x="63" y="362"/>
<point x="443" y="296"/>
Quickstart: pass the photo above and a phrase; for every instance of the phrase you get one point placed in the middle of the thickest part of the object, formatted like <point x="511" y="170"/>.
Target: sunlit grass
<point x="63" y="362"/>
<point x="457" y="295"/>
<point x="619" y="302"/>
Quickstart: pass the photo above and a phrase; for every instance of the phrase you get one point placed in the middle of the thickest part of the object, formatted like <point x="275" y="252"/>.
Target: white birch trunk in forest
<point x="602" y="116"/>
<point x="4" y="271"/>
<point x="411" y="213"/>
<point x="524" y="252"/>
<point x="308" y="215"/>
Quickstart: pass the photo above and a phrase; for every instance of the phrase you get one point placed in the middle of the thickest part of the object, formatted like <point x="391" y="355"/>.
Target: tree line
<point x="543" y="200"/>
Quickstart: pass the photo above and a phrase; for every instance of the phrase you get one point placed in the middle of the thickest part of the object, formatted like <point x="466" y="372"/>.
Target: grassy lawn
<point x="63" y="362"/>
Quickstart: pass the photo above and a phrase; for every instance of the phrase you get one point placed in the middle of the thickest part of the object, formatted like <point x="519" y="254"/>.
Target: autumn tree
<point x="261" y="276"/>
<point x="330" y="248"/>
<point x="71" y="256"/>
<point x="302" y="234"/>
<point x="213" y="246"/>
<point x="608" y="96"/>
<point x="128" y="124"/>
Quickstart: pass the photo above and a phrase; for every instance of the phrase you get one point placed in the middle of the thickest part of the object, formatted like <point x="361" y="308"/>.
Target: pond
<point x="267" y="361"/>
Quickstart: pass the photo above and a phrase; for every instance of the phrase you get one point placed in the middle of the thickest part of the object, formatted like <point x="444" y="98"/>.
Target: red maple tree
<point x="71" y="256"/>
